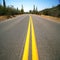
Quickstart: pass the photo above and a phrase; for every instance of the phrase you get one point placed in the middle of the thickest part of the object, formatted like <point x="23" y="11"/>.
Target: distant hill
<point x="54" y="11"/>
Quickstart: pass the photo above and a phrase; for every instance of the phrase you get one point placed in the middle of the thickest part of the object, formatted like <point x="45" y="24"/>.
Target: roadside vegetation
<point x="9" y="10"/>
<point x="54" y="11"/>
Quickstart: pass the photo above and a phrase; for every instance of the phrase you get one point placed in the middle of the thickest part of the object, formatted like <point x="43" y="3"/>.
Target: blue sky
<point x="28" y="4"/>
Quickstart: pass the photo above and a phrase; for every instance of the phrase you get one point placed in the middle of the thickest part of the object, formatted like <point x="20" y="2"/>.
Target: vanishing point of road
<point x="29" y="37"/>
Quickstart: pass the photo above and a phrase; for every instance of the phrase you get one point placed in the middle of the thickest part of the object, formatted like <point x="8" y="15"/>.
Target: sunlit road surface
<point x="29" y="37"/>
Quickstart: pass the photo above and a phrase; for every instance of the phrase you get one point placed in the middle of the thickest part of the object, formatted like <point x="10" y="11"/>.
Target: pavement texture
<point x="13" y="35"/>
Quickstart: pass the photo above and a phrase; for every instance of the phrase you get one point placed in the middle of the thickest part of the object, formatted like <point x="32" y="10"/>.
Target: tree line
<point x="34" y="11"/>
<point x="54" y="11"/>
<point x="10" y="10"/>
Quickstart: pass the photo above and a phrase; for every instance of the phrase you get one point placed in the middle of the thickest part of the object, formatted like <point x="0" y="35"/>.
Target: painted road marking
<point x="34" y="45"/>
<point x="26" y="47"/>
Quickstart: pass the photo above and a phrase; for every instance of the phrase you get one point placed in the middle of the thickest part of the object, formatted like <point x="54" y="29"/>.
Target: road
<point x="29" y="37"/>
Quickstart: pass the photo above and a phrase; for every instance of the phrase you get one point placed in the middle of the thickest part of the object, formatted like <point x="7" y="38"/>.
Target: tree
<point x="4" y="4"/>
<point x="34" y="9"/>
<point x="22" y="10"/>
<point x="17" y="8"/>
<point x="30" y="11"/>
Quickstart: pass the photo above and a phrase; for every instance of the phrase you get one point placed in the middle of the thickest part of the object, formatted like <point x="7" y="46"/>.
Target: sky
<point x="28" y="4"/>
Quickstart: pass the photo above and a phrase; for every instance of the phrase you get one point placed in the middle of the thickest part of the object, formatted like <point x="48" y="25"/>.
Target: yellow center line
<point x="34" y="46"/>
<point x="26" y="47"/>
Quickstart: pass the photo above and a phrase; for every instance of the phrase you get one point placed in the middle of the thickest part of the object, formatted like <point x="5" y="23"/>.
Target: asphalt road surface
<point x="44" y="38"/>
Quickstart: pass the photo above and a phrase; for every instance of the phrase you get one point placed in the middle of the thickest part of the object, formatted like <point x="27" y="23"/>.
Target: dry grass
<point x="3" y="18"/>
<point x="56" y="19"/>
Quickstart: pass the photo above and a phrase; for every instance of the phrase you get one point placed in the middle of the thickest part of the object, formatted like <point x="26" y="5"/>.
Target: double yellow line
<point x="34" y="46"/>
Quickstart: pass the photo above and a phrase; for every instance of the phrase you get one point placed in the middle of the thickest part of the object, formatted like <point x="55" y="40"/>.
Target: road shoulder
<point x="54" y="19"/>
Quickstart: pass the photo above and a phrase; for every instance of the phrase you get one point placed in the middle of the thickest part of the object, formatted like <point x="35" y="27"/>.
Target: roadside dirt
<point x="2" y="18"/>
<point x="56" y="19"/>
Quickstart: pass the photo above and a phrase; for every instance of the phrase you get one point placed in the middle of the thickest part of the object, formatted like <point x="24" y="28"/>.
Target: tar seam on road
<point x="34" y="45"/>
